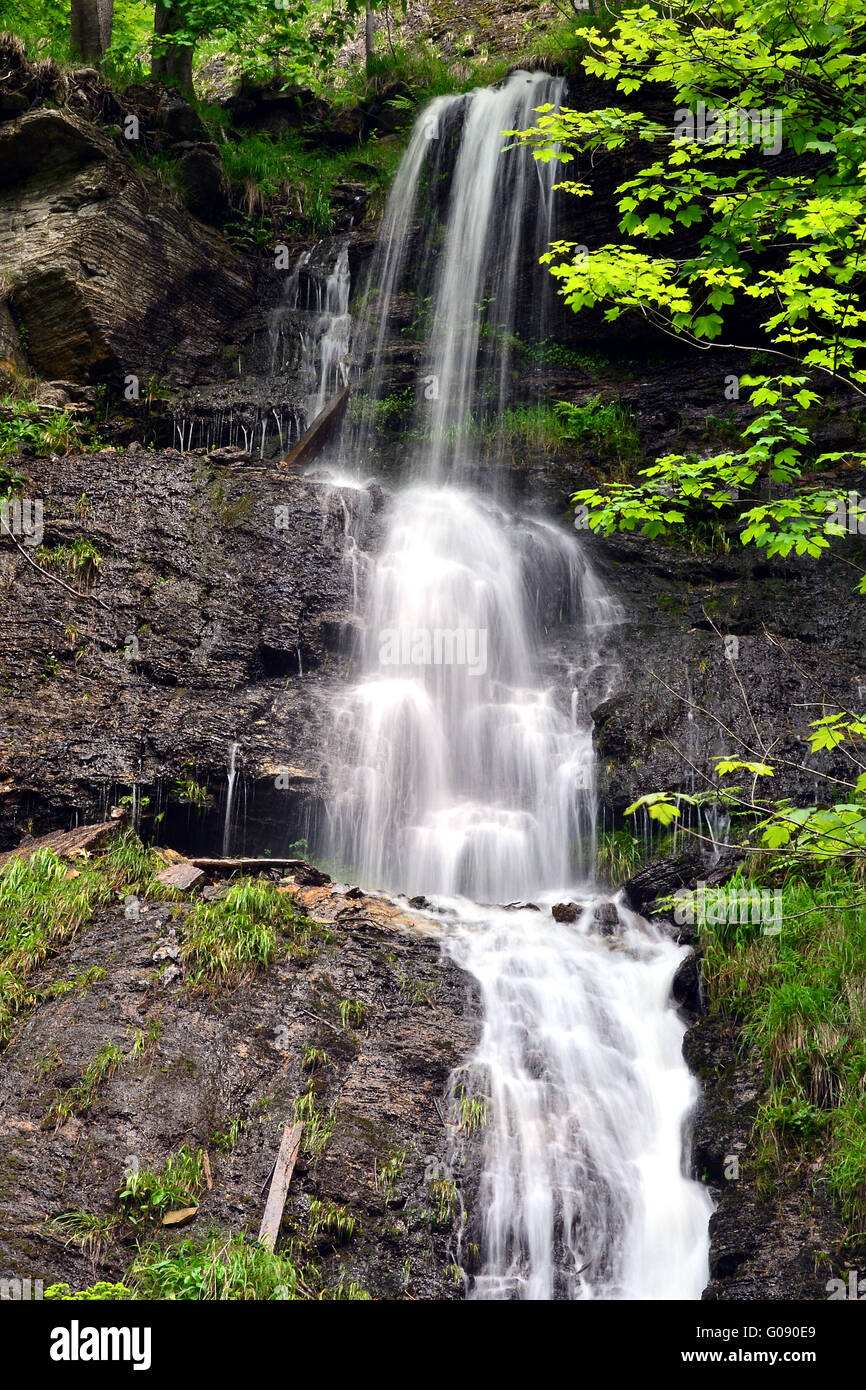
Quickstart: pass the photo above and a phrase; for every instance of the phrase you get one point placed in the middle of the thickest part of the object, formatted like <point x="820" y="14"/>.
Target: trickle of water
<point x="230" y="799"/>
<point x="313" y="324"/>
<point x="463" y="765"/>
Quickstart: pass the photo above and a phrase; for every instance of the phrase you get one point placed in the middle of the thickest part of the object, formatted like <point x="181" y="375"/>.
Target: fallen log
<point x="279" y="1190"/>
<point x="321" y="430"/>
<point x="266" y="863"/>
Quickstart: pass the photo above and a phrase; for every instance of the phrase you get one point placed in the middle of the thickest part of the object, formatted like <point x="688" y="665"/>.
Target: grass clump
<point x="227" y="941"/>
<point x="329" y="1219"/>
<point x="230" y="1268"/>
<point x="43" y="905"/>
<point x="93" y="1234"/>
<point x="800" y="997"/>
<point x="145" y="1195"/>
<point x="45" y="902"/>
<point x="129" y="864"/>
<point x="318" y="1120"/>
<point x="80" y="1098"/>
<point x="352" y="1012"/>
<point x="619" y="855"/>
<point x="282" y="187"/>
<point x="79" y="560"/>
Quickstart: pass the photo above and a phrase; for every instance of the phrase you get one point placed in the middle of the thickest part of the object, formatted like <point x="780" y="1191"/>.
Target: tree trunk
<point x="368" y="37"/>
<point x="90" y="28"/>
<point x="171" y="63"/>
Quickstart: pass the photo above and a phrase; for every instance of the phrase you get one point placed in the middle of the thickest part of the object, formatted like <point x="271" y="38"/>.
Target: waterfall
<point x="462" y="764"/>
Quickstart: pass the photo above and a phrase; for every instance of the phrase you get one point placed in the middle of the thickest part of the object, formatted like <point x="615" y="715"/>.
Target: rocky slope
<point x="222" y="1073"/>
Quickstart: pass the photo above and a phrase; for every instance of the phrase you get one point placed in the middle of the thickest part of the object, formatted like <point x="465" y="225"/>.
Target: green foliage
<point x="799" y="997"/>
<point x="443" y="1192"/>
<point x="80" y="981"/>
<point x="391" y="412"/>
<point x="230" y="1268"/>
<point x="352" y="1013"/>
<point x="317" y="1119"/>
<point x="661" y="806"/>
<point x="330" y="1219"/>
<point x="80" y="1098"/>
<point x="146" y="1196"/>
<point x="619" y="855"/>
<point x="127" y="863"/>
<point x="227" y="1139"/>
<point x="314" y="1058"/>
<point x="607" y="428"/>
<point x="43" y="25"/>
<point x="189" y="791"/>
<point x="43" y="904"/>
<point x="113" y="1293"/>
<point x="25" y="422"/>
<point x="282" y="187"/>
<point x="473" y="1110"/>
<point x="79" y="560"/>
<point x="90" y="1232"/>
<point x="10" y="483"/>
<point x="790" y="244"/>
<point x="226" y="941"/>
<point x="547" y="352"/>
<point x="419" y="66"/>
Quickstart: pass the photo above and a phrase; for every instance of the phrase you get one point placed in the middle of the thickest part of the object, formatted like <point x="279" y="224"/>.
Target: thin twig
<point x="332" y="1026"/>
<point x="4" y="530"/>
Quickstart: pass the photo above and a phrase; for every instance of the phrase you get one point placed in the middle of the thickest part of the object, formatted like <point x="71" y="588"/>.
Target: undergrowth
<point x="800" y="996"/>
<point x="226" y="941"/>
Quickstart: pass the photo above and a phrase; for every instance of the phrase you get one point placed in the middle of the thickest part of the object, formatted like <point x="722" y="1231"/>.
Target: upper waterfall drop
<point x="456" y="768"/>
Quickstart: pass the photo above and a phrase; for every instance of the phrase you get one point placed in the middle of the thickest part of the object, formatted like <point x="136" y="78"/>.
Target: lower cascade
<point x="463" y="769"/>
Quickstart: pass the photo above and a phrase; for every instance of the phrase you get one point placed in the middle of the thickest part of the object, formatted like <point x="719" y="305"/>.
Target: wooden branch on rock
<point x="283" y="1169"/>
<point x="266" y="863"/>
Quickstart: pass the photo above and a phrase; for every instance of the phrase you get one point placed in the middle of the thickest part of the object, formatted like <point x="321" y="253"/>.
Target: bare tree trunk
<point x="172" y="62"/>
<point x="368" y="37"/>
<point x="90" y="28"/>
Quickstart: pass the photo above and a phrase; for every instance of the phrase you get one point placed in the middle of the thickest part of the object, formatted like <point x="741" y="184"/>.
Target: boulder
<point x="178" y="121"/>
<point x="109" y="277"/>
<point x="606" y="919"/>
<point x="202" y="176"/>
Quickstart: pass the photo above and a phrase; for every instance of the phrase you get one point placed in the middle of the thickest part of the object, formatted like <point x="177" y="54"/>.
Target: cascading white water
<point x="314" y="318"/>
<point x="584" y="1193"/>
<point x="462" y="766"/>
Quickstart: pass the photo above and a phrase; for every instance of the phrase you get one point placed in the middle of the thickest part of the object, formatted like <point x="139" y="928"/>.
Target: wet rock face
<point x="214" y="613"/>
<point x="244" y="1057"/>
<point x="723" y="648"/>
<point x="764" y="1243"/>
